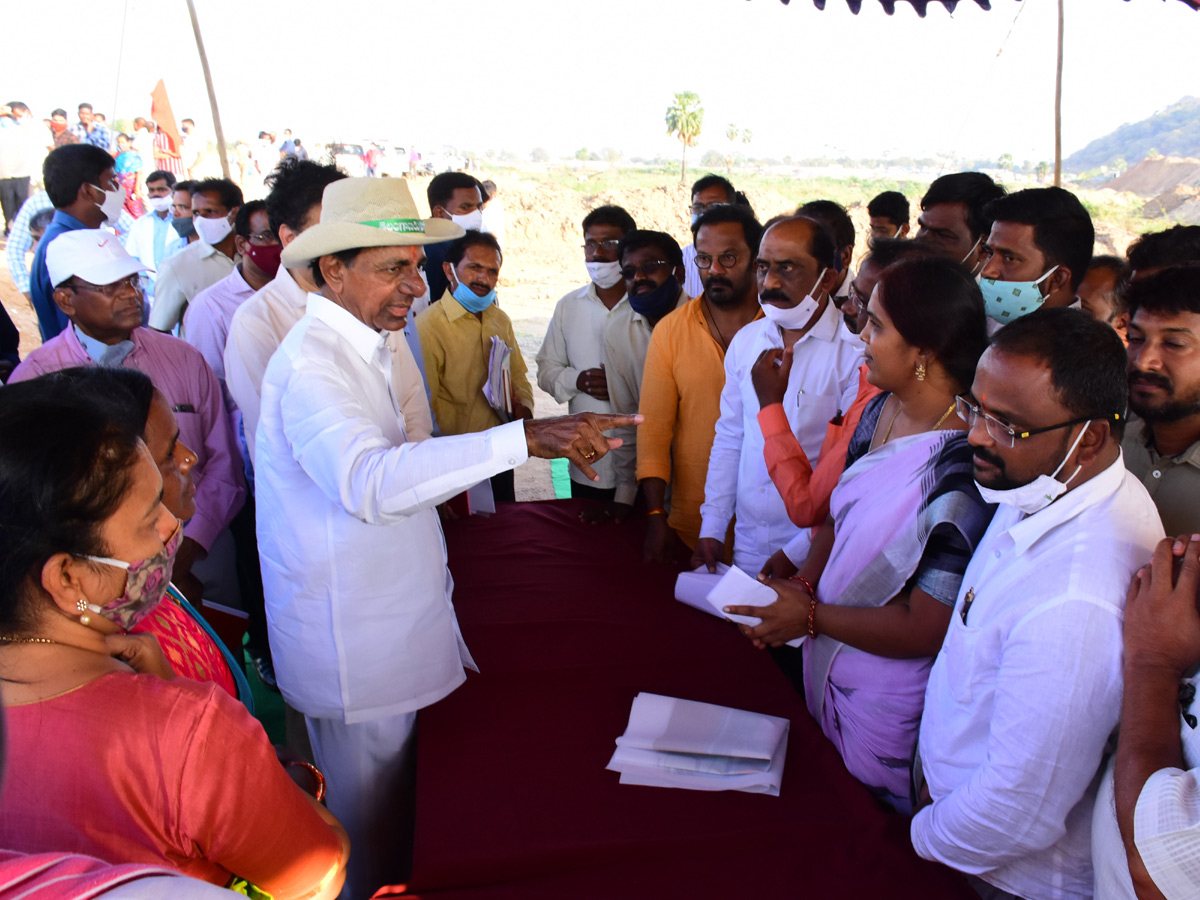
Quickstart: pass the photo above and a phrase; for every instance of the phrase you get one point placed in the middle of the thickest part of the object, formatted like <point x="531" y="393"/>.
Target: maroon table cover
<point x="514" y="801"/>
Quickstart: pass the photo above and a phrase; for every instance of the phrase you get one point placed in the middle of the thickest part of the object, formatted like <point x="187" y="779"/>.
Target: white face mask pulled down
<point x="604" y="274"/>
<point x="159" y="204"/>
<point x="1039" y="493"/>
<point x="113" y="202"/>
<point x="794" y="317"/>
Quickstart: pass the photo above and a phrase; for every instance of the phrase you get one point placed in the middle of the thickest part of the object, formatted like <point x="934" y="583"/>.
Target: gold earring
<point x="82" y="605"/>
<point x="920" y="371"/>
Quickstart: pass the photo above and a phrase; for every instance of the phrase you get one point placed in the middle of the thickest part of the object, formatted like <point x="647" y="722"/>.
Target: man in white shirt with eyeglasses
<point x="1026" y="691"/>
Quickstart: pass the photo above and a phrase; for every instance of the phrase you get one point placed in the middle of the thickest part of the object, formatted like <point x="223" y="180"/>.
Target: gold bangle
<point x="304" y="764"/>
<point x="656" y="512"/>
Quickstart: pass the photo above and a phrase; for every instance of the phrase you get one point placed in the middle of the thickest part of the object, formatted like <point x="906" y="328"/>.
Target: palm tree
<point x="685" y="117"/>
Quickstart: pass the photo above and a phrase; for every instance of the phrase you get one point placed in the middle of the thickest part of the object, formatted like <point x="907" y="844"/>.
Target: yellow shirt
<point x="456" y="346"/>
<point x="681" y="402"/>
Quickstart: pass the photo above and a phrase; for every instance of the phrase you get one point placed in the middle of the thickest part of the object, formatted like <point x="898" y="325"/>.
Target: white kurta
<point x="1026" y="690"/>
<point x="822" y="383"/>
<point x="574" y="342"/>
<point x="353" y="560"/>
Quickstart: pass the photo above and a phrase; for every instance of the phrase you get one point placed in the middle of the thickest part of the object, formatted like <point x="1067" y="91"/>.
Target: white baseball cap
<point x="93" y="254"/>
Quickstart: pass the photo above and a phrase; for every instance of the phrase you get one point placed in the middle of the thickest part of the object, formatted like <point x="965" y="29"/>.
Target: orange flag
<point x="160" y="112"/>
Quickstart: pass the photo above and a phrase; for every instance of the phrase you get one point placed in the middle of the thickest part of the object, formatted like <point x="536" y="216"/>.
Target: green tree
<point x="1005" y="162"/>
<point x="539" y="155"/>
<point x="685" y="118"/>
<point x="611" y="155"/>
<point x="1042" y="169"/>
<point x="581" y="153"/>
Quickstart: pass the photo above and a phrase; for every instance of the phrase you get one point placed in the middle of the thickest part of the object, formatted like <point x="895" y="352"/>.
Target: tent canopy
<point x="889" y="6"/>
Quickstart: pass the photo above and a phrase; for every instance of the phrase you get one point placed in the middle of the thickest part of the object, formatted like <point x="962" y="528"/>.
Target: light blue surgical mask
<point x="1007" y="301"/>
<point x="471" y="301"/>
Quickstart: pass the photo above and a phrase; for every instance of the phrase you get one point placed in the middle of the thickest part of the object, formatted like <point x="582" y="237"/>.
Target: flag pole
<point x="212" y="94"/>
<point x="1057" y="108"/>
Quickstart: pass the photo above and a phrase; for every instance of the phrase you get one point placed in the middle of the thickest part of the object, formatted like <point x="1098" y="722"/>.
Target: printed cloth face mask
<point x="1005" y="301"/>
<point x="145" y="583"/>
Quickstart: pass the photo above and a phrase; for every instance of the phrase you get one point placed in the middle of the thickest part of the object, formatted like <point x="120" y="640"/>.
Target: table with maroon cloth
<point x="514" y="801"/>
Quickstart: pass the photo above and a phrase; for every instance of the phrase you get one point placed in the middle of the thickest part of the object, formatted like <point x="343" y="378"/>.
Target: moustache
<point x="1150" y="378"/>
<point x="643" y="287"/>
<point x="774" y="294"/>
<point x="717" y="281"/>
<point x="988" y="457"/>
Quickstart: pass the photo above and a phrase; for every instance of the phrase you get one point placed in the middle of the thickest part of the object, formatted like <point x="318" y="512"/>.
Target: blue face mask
<point x="1006" y="301"/>
<point x="471" y="301"/>
<point x="658" y="302"/>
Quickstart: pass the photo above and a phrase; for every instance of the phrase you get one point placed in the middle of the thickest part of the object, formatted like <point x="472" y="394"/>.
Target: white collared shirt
<point x="574" y="342"/>
<point x="1025" y="693"/>
<point x="822" y="383"/>
<point x="259" y="327"/>
<point x="353" y="560"/>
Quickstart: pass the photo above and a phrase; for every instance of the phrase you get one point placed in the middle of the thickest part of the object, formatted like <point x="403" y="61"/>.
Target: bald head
<point x="796" y="258"/>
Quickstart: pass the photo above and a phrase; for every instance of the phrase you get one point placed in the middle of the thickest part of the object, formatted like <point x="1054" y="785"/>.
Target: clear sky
<point x="560" y="74"/>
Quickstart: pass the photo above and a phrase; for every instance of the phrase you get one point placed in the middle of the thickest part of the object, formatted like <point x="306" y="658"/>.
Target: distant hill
<point x="1174" y="131"/>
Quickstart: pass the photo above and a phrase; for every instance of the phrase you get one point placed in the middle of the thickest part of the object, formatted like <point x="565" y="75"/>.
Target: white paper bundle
<point x="730" y="586"/>
<point x="497" y="390"/>
<point x="683" y="743"/>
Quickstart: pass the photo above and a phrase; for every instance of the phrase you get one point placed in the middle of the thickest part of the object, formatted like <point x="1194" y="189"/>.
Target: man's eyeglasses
<point x="701" y="208"/>
<point x="854" y="303"/>
<point x="727" y="260"/>
<point x="263" y="237"/>
<point x="649" y="269"/>
<point x="596" y="246"/>
<point x="108" y="290"/>
<point x="1001" y="432"/>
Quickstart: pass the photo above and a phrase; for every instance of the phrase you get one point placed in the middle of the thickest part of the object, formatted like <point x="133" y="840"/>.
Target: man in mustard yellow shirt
<point x="456" y="339"/>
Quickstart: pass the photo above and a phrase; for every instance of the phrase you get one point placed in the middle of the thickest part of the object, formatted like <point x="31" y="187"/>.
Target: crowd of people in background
<point x="968" y="468"/>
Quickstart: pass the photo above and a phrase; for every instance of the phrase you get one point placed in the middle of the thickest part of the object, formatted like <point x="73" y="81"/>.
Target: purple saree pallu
<point x="886" y="508"/>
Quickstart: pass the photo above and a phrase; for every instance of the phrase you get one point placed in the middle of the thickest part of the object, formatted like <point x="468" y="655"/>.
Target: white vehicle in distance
<point x="350" y="158"/>
<point x="394" y="162"/>
<point x="446" y="159"/>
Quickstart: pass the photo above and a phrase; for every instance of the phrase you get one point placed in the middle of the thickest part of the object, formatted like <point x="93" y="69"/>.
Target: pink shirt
<point x="133" y="769"/>
<point x="180" y="372"/>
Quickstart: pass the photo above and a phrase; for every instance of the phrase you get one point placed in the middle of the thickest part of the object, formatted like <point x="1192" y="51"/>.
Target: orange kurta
<point x="681" y="402"/>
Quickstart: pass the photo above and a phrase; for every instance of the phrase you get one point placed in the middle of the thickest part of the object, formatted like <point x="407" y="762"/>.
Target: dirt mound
<point x="1168" y="202"/>
<point x="1151" y="177"/>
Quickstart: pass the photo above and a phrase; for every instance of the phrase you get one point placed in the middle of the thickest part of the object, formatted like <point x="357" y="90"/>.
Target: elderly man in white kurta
<point x="362" y="630"/>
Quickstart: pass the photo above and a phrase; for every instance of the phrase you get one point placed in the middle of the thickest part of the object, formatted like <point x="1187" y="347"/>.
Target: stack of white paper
<point x="682" y="743"/>
<point x="730" y="586"/>
<point x="497" y="390"/>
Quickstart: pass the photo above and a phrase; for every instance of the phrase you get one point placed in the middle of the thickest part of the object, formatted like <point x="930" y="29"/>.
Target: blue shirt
<point x="99" y="136"/>
<point x="435" y="255"/>
<point x="51" y="319"/>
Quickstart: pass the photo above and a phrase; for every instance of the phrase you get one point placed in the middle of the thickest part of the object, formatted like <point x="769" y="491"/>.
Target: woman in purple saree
<point x="875" y="595"/>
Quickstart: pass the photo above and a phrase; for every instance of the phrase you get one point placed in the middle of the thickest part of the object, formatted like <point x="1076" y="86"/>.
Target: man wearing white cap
<point x="96" y="285"/>
<point x="362" y="630"/>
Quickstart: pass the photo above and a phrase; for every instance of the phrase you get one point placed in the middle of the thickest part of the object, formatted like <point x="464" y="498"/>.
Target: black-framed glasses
<point x="649" y="269"/>
<point x="263" y="237"/>
<point x="108" y="290"/>
<point x="699" y="209"/>
<point x="727" y="260"/>
<point x="1000" y="431"/>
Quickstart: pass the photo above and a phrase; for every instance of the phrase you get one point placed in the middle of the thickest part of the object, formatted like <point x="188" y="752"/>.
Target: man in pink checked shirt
<point x="96" y="285"/>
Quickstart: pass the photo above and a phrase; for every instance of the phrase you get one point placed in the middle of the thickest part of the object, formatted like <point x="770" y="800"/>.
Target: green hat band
<point x="404" y="226"/>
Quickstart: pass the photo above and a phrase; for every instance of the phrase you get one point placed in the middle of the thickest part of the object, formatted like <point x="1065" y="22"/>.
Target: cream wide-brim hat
<point x="367" y="212"/>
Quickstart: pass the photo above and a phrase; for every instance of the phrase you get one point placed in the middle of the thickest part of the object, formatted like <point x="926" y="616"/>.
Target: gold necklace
<point x="13" y="639"/>
<point x="935" y="427"/>
<point x="944" y="417"/>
